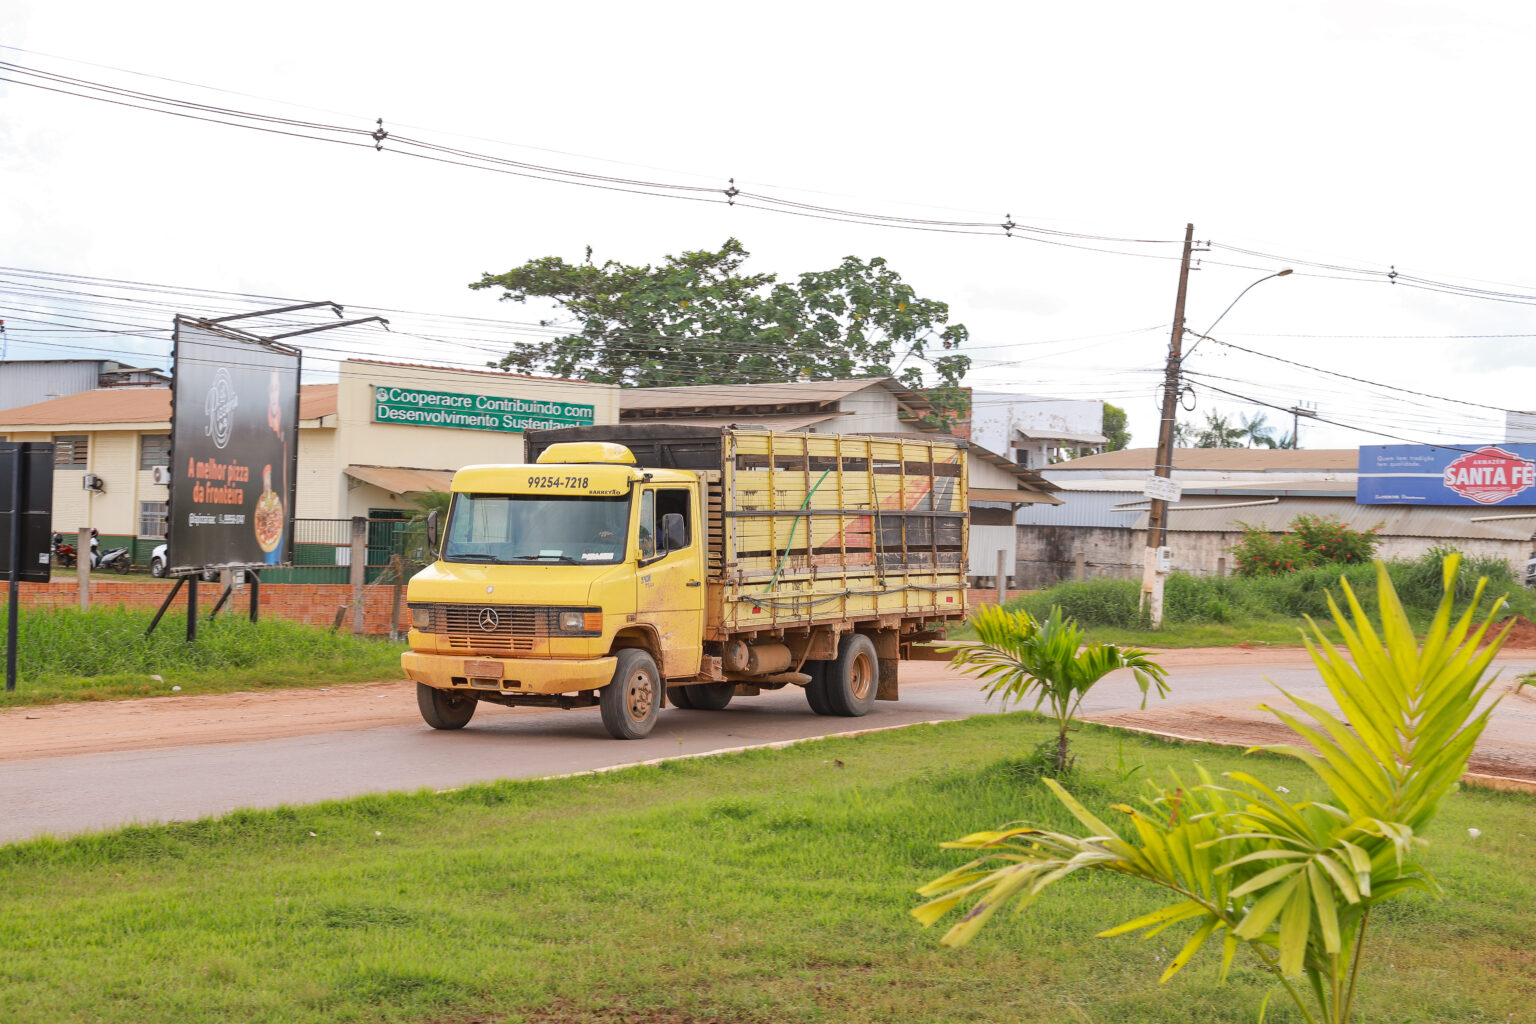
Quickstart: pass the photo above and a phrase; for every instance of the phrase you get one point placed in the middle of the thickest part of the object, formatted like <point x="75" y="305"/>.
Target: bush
<point x="1312" y="540"/>
<point x="1090" y="602"/>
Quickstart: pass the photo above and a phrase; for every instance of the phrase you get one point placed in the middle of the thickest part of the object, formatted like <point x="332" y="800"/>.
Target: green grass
<point x="756" y="887"/>
<point x="1215" y="611"/>
<point x="102" y="654"/>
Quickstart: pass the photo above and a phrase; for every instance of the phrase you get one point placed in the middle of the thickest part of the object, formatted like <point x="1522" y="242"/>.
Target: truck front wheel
<point x="851" y="680"/>
<point x="443" y="710"/>
<point x="629" y="703"/>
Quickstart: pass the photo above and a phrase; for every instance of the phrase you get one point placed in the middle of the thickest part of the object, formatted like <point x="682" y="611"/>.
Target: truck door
<point x="670" y="584"/>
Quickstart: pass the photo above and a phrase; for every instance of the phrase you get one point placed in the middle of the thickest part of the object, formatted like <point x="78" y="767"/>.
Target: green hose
<point x="792" y="528"/>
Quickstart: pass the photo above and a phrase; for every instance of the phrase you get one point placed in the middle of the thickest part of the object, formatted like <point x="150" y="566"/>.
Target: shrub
<point x="1312" y="540"/>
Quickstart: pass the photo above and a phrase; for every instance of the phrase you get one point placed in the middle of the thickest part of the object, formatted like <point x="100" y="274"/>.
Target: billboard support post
<point x="191" y="609"/>
<point x="180" y="582"/>
<point x="13" y="610"/>
<point x="83" y="565"/>
<point x="254" y="575"/>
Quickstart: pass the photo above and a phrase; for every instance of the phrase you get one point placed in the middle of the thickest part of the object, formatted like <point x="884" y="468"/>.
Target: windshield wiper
<point x="535" y="558"/>
<point x="470" y="556"/>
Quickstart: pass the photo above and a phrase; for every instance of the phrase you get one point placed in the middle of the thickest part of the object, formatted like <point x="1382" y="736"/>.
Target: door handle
<point x="694" y="583"/>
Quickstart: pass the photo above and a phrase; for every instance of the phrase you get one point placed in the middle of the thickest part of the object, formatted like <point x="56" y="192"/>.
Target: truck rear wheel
<point x="629" y="703"/>
<point x="851" y="680"/>
<point x="678" y="695"/>
<point x="443" y="710"/>
<point x="709" y="696"/>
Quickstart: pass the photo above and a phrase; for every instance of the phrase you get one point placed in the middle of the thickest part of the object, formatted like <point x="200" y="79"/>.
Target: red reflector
<point x="757" y="611"/>
<point x="950" y="599"/>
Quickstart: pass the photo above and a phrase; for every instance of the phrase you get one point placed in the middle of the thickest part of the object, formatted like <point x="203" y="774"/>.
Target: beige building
<point x="384" y="432"/>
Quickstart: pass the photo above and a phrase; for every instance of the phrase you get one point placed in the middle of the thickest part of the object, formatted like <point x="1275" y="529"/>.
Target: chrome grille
<point x="491" y="627"/>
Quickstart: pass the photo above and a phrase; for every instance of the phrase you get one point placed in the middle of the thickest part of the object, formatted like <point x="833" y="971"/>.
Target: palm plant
<point x="1292" y="881"/>
<point x="1219" y="432"/>
<point x="1256" y="430"/>
<point x="1020" y="655"/>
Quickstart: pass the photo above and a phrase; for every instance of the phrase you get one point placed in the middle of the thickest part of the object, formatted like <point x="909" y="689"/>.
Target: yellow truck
<point x="636" y="565"/>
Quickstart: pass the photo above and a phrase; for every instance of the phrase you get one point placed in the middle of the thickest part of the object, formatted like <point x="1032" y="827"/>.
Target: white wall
<point x="997" y="415"/>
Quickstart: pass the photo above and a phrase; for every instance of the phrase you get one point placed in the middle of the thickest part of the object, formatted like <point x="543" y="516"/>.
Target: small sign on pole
<point x="1161" y="487"/>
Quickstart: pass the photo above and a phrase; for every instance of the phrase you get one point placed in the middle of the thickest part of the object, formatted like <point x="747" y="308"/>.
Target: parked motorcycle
<point x="116" y="559"/>
<point x="63" y="553"/>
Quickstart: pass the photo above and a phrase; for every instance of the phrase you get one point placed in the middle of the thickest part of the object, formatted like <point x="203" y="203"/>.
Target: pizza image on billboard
<point x="1490" y="475"/>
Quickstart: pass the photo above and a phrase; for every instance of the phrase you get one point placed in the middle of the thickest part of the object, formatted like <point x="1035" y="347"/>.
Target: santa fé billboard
<point x="234" y="448"/>
<point x="1472" y="474"/>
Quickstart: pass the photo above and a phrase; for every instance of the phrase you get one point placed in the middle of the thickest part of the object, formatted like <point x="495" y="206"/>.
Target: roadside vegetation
<point x="1217" y="611"/>
<point x="65" y="654"/>
<point x="1291" y="883"/>
<point x="759" y="887"/>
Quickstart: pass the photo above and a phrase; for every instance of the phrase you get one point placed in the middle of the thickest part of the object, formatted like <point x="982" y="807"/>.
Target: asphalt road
<point x="86" y="792"/>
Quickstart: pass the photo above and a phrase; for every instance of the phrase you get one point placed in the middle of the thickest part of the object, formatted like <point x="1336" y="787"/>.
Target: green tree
<point x="1114" y="429"/>
<point x="1219" y="432"/>
<point x="698" y="318"/>
<point x="1020" y="655"/>
<point x="1256" y="430"/>
<point x="1294" y="881"/>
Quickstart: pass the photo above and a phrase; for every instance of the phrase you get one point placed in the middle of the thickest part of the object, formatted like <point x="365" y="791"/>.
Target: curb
<point x="1501" y="783"/>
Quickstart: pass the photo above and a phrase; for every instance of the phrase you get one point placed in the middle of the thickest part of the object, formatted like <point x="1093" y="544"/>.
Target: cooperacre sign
<point x="1400" y="474"/>
<point x="417" y="407"/>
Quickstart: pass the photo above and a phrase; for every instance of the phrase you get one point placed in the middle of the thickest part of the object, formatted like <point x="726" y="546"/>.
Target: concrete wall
<point x="1048" y="554"/>
<point x="871" y="411"/>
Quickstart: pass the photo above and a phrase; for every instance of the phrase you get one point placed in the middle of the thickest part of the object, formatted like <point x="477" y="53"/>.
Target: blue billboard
<point x="1471" y="474"/>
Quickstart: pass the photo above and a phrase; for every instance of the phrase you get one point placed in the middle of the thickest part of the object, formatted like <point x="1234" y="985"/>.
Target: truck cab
<point x="548" y="576"/>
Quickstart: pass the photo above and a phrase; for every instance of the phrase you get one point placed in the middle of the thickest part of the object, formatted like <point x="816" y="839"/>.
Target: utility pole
<point x="1297" y="411"/>
<point x="1157" y="516"/>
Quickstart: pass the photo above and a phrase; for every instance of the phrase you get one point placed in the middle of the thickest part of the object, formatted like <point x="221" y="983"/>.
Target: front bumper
<point x="518" y="675"/>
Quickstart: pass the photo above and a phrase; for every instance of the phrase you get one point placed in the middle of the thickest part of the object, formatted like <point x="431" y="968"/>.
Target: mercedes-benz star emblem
<point x="489" y="620"/>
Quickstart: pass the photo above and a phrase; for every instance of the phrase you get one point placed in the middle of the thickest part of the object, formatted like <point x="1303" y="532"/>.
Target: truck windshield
<point x="525" y="528"/>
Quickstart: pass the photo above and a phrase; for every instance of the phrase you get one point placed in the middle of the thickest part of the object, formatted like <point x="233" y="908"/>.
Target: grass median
<point x="103" y="654"/>
<point x="755" y="887"/>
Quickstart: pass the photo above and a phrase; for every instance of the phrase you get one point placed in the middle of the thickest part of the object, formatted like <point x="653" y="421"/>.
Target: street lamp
<point x="1158" y="562"/>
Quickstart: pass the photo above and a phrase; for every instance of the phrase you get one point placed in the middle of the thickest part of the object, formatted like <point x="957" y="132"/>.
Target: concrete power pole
<point x="1156" y="566"/>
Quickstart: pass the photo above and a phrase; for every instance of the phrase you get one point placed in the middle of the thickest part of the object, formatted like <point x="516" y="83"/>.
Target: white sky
<point x="1362" y="133"/>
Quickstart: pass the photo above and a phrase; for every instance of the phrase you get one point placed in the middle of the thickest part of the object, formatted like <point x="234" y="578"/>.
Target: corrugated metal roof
<point x="135" y="405"/>
<point x="1043" y="434"/>
<point x="1237" y="460"/>
<point x="1446" y="523"/>
<point x="1028" y="494"/>
<point x="1082" y="508"/>
<point x="775" y="422"/>
<point x="717" y="396"/>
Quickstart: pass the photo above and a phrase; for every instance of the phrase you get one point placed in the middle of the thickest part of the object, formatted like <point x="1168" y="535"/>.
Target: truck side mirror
<point x="674" y="536"/>
<point x="432" y="533"/>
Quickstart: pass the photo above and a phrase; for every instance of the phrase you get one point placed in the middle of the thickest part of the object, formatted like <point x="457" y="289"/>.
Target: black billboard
<point x="234" y="449"/>
<point x="28" y="464"/>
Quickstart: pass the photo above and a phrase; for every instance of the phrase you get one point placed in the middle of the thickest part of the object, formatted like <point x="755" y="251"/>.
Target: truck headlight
<point x="578" y="621"/>
<point x="421" y="616"/>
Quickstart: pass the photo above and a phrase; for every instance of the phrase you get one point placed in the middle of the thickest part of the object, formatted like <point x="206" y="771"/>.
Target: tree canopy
<point x="1115" y="433"/>
<point x="698" y="318"/>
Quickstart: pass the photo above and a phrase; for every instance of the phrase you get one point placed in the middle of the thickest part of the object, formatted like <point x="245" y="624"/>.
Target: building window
<point x="154" y="450"/>
<point x="152" y="518"/>
<point x="70" y="451"/>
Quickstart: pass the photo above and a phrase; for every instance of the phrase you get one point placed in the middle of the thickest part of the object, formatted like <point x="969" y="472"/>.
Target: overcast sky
<point x="1366" y="135"/>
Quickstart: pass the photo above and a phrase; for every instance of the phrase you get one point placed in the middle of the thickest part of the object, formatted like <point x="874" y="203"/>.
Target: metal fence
<point x="322" y="550"/>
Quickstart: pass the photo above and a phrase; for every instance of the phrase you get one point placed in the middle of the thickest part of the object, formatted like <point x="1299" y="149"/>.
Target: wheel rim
<point x="860" y="676"/>
<point x="640" y="696"/>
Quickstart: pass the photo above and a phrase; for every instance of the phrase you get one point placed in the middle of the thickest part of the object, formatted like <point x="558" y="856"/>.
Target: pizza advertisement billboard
<point x="234" y="449"/>
<point x="1470" y="474"/>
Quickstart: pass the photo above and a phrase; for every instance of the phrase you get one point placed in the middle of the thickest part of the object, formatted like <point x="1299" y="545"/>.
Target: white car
<point x="157" y="564"/>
